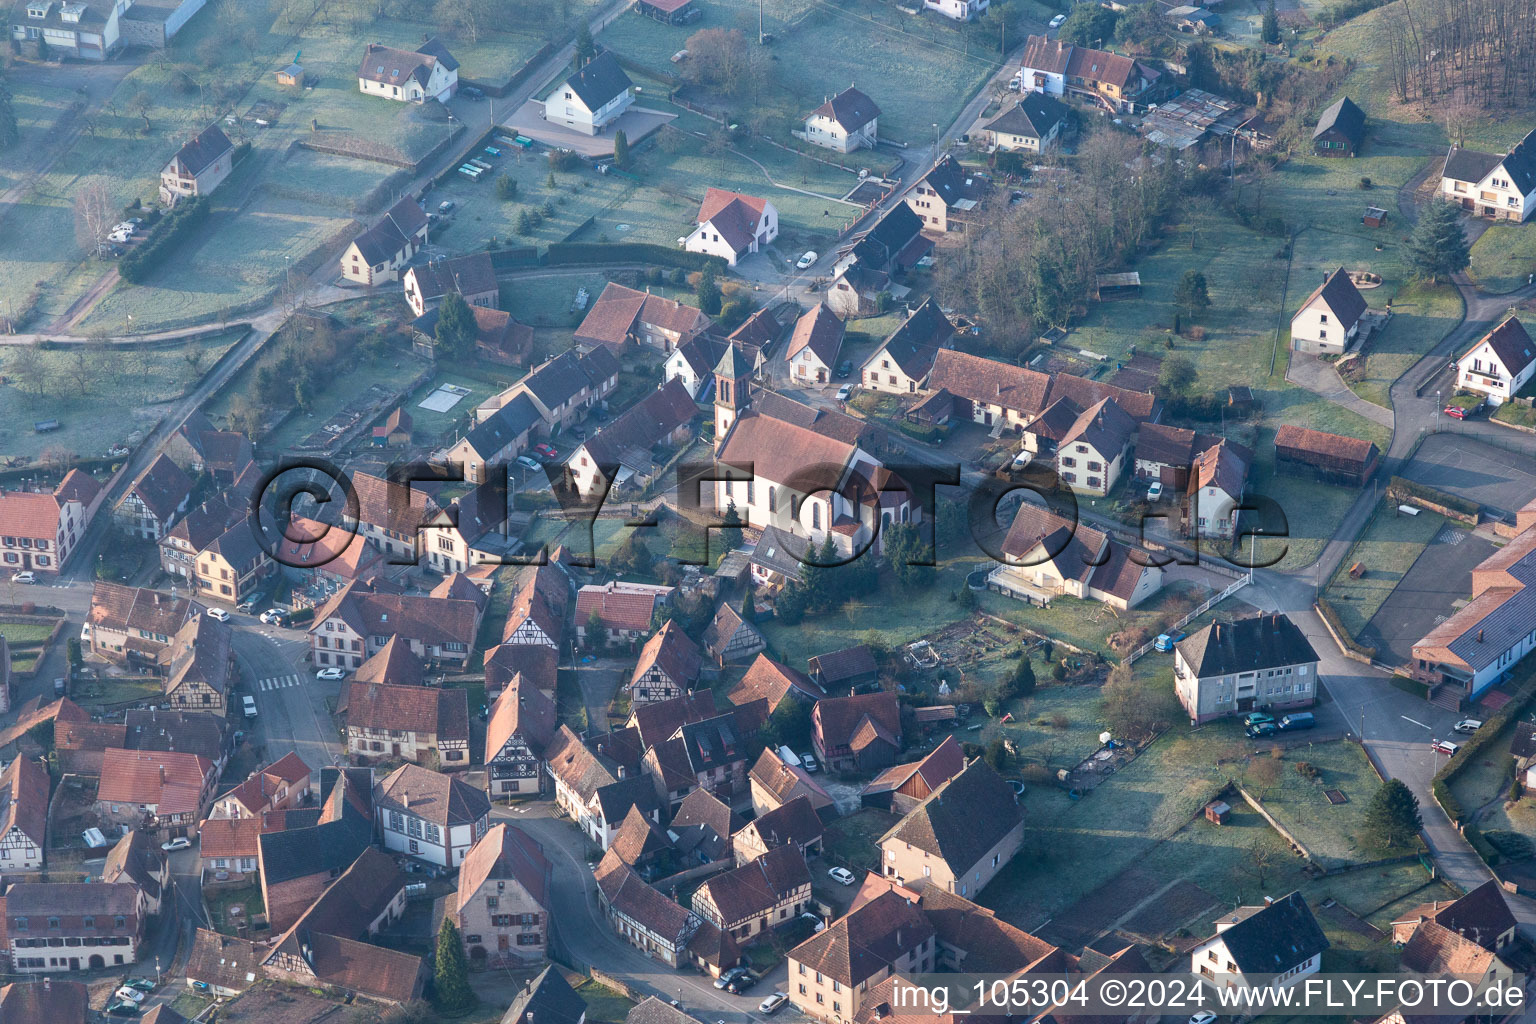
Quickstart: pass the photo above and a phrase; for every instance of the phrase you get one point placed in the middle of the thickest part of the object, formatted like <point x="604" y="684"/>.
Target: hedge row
<point x="1469" y="751"/>
<point x="145" y="258"/>
<point x="1418" y="490"/>
<point x="561" y="253"/>
<point x="1480" y="843"/>
<point x="1327" y="611"/>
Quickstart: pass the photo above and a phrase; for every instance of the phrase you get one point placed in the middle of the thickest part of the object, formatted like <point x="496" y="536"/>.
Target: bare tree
<point x="718" y="58"/>
<point x="31" y="369"/>
<point x="93" y="216"/>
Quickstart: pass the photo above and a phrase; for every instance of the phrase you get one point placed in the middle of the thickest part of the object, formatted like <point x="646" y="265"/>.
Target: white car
<point x="1467" y="725"/>
<point x="331" y="673"/>
<point x="772" y="1003"/>
<point x="179" y="843"/>
<point x="249" y="704"/>
<point x="807" y="261"/>
<point x="1203" y="1017"/>
<point x="842" y="876"/>
<point x="1155" y="492"/>
<point x="218" y="614"/>
<point x="845" y="392"/>
<point x="1056" y="23"/>
<point x="1022" y="460"/>
<point x="133" y="995"/>
<point x="271" y="617"/>
<point x="1445" y="747"/>
<point x="27" y="576"/>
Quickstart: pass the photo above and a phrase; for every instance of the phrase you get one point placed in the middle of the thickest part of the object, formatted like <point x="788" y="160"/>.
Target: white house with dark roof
<point x="1030" y="126"/>
<point x="473" y="277"/>
<point x="1047" y="556"/>
<point x="592" y="98"/>
<point x="428" y="72"/>
<point x="958" y="10"/>
<point x="1499" y="364"/>
<point x="1490" y="185"/>
<point x="904" y="359"/>
<point x="1232" y="668"/>
<point x="960" y="837"/>
<point x="1217" y="478"/>
<point x="945" y="197"/>
<point x="379" y="253"/>
<point x="1273" y="945"/>
<point x="846" y="122"/>
<point x="815" y="345"/>
<point x="693" y="363"/>
<point x="429" y="815"/>
<point x="732" y="225"/>
<point x="198" y="167"/>
<point x="1329" y="318"/>
<point x="68" y="28"/>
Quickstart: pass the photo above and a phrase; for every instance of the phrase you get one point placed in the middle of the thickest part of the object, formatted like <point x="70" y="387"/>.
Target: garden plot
<point x="1385" y="551"/>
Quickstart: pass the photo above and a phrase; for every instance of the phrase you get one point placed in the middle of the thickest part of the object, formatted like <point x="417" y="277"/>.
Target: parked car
<point x="527" y="463"/>
<point x="845" y="392"/>
<point x="1259" y="730"/>
<point x="1204" y="1016"/>
<point x="1056" y="23"/>
<point x="844" y="368"/>
<point x="333" y="673"/>
<point x="1457" y="412"/>
<point x="842" y="876"/>
<point x="726" y="977"/>
<point x="123" y="1008"/>
<point x="272" y="617"/>
<point x="1297" y="720"/>
<point x="1022" y="460"/>
<point x="446" y="206"/>
<point x="807" y="261"/>
<point x="1155" y="492"/>
<point x="1165" y="641"/>
<point x="1445" y="747"/>
<point x="772" y="1003"/>
<point x="549" y="451"/>
<point x="743" y="982"/>
<point x="171" y="846"/>
<point x="248" y="704"/>
<point x="218" y="614"/>
<point x="247" y="606"/>
<point x="142" y="984"/>
<point x="471" y="93"/>
<point x="26" y="576"/>
<point x="133" y="995"/>
<point x="1467" y="725"/>
<point x="1255" y="717"/>
<point x="808" y="762"/>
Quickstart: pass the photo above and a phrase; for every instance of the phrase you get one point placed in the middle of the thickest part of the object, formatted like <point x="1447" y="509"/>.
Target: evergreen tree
<point x="1191" y="295"/>
<point x="1392" y="818"/>
<point x="790" y="606"/>
<point x="524" y="222"/>
<point x="997" y="756"/>
<point x="1269" y="30"/>
<point x="456" y="328"/>
<point x="708" y="292"/>
<point x="748" y="606"/>
<point x="506" y="188"/>
<point x="1023" y="682"/>
<point x="586" y="49"/>
<point x="730" y="531"/>
<point x="450" y="972"/>
<point x="1438" y="248"/>
<point x="620" y="150"/>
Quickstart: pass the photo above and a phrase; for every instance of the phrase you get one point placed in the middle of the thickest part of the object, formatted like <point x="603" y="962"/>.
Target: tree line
<point x="1475" y="54"/>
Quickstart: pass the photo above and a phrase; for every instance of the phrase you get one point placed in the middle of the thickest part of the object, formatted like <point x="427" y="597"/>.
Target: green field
<point x="119" y="400"/>
<point x="819" y="49"/>
<point x="1387" y="549"/>
<point x="1504" y="258"/>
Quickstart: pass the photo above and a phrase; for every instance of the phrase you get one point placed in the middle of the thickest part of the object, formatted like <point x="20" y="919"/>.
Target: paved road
<point x="292" y="715"/>
<point x="583" y="935"/>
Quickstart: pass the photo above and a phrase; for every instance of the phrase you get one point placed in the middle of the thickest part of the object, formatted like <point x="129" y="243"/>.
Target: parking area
<point x="1427" y="594"/>
<point x="1470" y="469"/>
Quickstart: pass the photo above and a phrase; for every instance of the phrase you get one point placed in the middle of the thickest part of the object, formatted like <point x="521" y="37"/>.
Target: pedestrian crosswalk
<point x="278" y="682"/>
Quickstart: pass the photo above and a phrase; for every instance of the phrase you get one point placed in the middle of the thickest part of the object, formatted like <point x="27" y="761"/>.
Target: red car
<point x="546" y="450"/>
<point x="1456" y="412"/>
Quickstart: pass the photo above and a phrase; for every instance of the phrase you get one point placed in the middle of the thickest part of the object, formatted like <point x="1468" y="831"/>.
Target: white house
<point x="1048" y="556"/>
<point x="593" y="98"/>
<point x="846" y="122"/>
<point x="814" y="347"/>
<point x="198" y="167"/>
<point x="84" y="31"/>
<point x="429" y="815"/>
<point x="693" y="363"/>
<point x="1499" y="364"/>
<point x="1231" y="668"/>
<point x="1217" y="479"/>
<point x="1490" y="185"/>
<point x="1096" y="448"/>
<point x="905" y="358"/>
<point x="409" y="76"/>
<point x="732" y="225"/>
<point x="381" y="252"/>
<point x="1274" y="945"/>
<point x="958" y="10"/>
<point x="1329" y="318"/>
<point x="1032" y="125"/>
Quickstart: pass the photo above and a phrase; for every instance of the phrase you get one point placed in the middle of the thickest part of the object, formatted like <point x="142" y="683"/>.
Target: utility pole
<point x="759" y="22"/>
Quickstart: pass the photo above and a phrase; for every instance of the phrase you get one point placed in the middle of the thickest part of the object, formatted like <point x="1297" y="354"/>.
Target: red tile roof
<point x="169" y="779"/>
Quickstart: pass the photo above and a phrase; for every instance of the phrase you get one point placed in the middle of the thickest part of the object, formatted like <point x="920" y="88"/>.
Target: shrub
<point x="143" y="260"/>
<point x="1308" y="771"/>
<point x="1365" y="183"/>
<point x="1512" y="845"/>
<point x="1037" y="775"/>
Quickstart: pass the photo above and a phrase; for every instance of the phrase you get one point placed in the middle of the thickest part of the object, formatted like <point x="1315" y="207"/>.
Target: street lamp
<point x="1437" y="409"/>
<point x="935" y="140"/>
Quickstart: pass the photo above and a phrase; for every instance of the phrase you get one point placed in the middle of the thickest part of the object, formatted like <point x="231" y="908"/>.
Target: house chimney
<point x="1479" y="636"/>
<point x="1269" y="901"/>
<point x="622" y="772"/>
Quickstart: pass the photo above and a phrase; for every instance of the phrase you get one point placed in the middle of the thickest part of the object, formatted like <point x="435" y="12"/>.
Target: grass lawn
<point x="818" y="50"/>
<point x="1387" y="549"/>
<point x="1328" y="830"/>
<point x="119" y="403"/>
<point x="575" y="196"/>
<point x="23" y="634"/>
<point x="852" y="841"/>
<point x="604" y="1003"/>
<point x="1487" y="778"/>
<point x="110" y="690"/>
<point x="247" y="897"/>
<point x="1086" y="624"/>
<point x="1503" y="258"/>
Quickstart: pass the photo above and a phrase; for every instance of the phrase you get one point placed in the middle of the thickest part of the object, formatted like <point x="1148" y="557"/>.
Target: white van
<point x="249" y="704"/>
